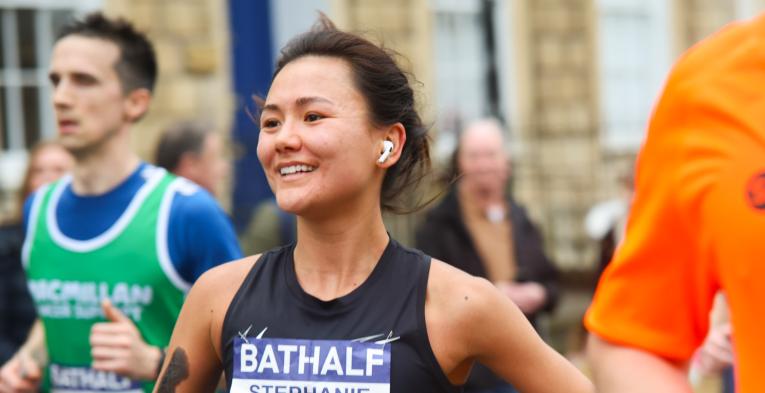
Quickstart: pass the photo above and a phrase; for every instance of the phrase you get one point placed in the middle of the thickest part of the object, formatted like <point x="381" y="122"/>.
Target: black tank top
<point x="276" y="338"/>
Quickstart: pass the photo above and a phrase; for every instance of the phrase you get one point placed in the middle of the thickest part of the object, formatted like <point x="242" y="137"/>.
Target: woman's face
<point x="48" y="165"/>
<point x="317" y="145"/>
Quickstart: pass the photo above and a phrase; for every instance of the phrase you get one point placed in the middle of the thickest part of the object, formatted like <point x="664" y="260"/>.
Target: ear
<point x="136" y="104"/>
<point x="395" y="133"/>
<point x="187" y="165"/>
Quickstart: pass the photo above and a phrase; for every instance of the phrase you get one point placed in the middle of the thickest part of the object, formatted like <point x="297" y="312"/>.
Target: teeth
<point x="288" y="170"/>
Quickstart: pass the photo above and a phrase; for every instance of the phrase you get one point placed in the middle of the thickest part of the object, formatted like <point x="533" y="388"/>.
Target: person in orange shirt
<point x="696" y="225"/>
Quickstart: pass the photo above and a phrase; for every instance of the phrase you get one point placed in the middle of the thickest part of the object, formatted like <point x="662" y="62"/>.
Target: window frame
<point x="445" y="70"/>
<point x="659" y="14"/>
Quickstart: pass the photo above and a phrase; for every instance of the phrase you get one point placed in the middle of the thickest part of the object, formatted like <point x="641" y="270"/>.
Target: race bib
<point x="68" y="379"/>
<point x="310" y="366"/>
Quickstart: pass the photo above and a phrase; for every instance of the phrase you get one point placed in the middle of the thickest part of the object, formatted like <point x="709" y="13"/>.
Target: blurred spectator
<point x="605" y="221"/>
<point x="480" y="229"/>
<point x="269" y="227"/>
<point x="48" y="161"/>
<point x="111" y="250"/>
<point x="193" y="150"/>
<point x="714" y="359"/>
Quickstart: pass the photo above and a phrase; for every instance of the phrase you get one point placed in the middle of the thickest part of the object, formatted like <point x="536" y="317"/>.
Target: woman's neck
<point x="335" y="255"/>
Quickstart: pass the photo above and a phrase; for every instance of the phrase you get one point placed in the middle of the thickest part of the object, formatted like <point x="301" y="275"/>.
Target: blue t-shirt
<point x="200" y="235"/>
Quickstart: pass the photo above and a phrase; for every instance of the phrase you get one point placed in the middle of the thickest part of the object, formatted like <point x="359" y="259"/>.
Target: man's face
<point x="87" y="97"/>
<point x="211" y="167"/>
<point x="482" y="161"/>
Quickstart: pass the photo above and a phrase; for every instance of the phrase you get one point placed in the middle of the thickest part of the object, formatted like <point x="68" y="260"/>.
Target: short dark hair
<point x="386" y="89"/>
<point x="179" y="139"/>
<point x="137" y="64"/>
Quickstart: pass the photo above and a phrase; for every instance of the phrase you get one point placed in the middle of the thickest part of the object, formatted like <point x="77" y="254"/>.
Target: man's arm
<point x="621" y="369"/>
<point x="200" y="235"/>
<point x="23" y="372"/>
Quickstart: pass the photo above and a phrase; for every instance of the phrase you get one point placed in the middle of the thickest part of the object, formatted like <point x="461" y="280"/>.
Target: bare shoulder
<point x="217" y="286"/>
<point x="453" y="290"/>
<point x="213" y="292"/>
<point x="457" y="305"/>
<point x="224" y="276"/>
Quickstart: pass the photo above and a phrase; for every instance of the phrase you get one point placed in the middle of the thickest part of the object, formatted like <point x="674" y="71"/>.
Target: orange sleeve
<point x="657" y="291"/>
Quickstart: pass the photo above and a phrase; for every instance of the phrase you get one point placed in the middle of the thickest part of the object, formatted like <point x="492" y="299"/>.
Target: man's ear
<point x="187" y="165"/>
<point x="137" y="104"/>
<point x="395" y="133"/>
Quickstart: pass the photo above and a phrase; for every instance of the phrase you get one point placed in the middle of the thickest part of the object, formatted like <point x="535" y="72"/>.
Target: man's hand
<point x="117" y="346"/>
<point x="21" y="374"/>
<point x="528" y="296"/>
<point x="717" y="351"/>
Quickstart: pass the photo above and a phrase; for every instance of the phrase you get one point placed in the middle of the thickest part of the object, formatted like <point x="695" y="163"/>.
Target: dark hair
<point x="179" y="139"/>
<point x="387" y="92"/>
<point x="137" y="64"/>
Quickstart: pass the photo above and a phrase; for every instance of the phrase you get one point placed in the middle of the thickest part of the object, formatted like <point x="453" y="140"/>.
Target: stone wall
<point x="560" y="166"/>
<point x="554" y="170"/>
<point x="559" y="163"/>
<point x="699" y="18"/>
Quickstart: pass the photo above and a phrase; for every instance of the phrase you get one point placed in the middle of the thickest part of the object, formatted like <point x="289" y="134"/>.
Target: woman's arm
<point x="473" y="321"/>
<point x="193" y="360"/>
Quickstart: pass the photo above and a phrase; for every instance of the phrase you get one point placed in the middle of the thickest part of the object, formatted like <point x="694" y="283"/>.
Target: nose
<point x="288" y="138"/>
<point x="62" y="96"/>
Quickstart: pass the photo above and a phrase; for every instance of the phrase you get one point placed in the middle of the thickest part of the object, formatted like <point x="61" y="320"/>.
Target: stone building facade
<point x="561" y="164"/>
<point x="549" y="73"/>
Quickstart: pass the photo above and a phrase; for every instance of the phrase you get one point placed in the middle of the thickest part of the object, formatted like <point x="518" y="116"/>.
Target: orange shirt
<point x="697" y="223"/>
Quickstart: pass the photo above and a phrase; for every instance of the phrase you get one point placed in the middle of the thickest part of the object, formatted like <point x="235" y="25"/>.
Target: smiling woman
<point x="347" y="308"/>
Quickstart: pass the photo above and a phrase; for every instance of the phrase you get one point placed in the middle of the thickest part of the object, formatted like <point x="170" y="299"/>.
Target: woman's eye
<point x="270" y="123"/>
<point x="313" y="117"/>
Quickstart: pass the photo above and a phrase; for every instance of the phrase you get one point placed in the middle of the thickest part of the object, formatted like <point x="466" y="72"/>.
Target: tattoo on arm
<point x="175" y="372"/>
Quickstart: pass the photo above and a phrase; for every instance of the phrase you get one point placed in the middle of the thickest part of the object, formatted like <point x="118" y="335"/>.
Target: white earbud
<point x="387" y="149"/>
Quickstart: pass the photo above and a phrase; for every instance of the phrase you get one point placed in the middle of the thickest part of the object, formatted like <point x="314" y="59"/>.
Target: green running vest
<point x="129" y="263"/>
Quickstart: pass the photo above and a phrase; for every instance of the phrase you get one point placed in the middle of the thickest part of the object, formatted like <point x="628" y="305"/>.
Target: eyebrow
<point x="300" y="102"/>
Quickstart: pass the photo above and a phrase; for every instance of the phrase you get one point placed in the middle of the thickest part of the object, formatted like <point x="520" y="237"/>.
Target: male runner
<point x="118" y="239"/>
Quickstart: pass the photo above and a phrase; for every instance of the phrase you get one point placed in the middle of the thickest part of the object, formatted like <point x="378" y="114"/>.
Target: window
<point x="634" y="58"/>
<point x="290" y="18"/>
<point x="746" y="9"/>
<point x="473" y="65"/>
<point x="27" y="31"/>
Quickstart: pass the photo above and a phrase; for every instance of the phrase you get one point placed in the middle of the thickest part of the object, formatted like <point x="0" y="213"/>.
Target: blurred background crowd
<point x="571" y="83"/>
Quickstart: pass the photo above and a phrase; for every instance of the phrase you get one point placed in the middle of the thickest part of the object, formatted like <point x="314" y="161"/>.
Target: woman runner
<point x="346" y="308"/>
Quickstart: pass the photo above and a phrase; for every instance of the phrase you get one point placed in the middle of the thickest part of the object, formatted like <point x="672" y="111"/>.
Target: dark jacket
<point x="443" y="235"/>
<point x="17" y="310"/>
